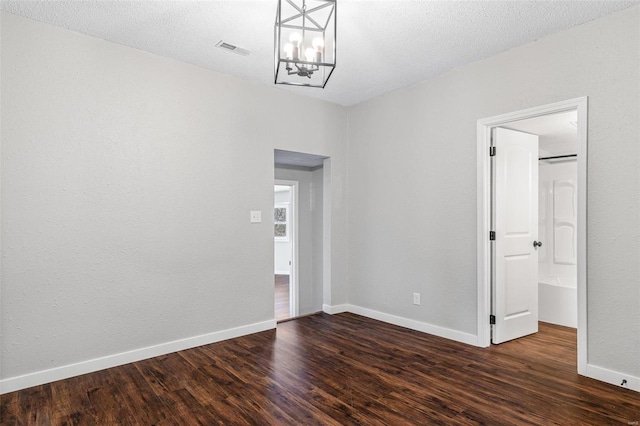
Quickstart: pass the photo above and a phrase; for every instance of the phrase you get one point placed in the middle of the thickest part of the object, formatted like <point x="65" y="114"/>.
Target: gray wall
<point x="127" y="182"/>
<point x="412" y="182"/>
<point x="309" y="235"/>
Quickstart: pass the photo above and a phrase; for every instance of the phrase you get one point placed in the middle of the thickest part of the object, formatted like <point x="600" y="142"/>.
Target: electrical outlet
<point x="416" y="298"/>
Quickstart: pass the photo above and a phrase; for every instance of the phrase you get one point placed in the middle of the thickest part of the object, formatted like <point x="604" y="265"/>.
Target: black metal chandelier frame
<point x="295" y="65"/>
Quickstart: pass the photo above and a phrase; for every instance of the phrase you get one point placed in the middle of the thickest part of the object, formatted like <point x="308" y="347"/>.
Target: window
<point x="281" y="222"/>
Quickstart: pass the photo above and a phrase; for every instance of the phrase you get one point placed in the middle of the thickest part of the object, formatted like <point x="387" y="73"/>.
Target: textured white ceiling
<point x="382" y="45"/>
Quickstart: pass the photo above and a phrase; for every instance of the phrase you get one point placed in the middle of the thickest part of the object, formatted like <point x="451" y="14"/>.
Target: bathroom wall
<point x="557" y="232"/>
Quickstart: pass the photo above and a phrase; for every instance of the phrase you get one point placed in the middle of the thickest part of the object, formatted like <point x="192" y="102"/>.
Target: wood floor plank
<point x="142" y="401"/>
<point x="337" y="370"/>
<point x="72" y="407"/>
<point x="29" y="407"/>
<point x="186" y="409"/>
<point x="281" y="297"/>
<point x="81" y="418"/>
<point x="107" y="401"/>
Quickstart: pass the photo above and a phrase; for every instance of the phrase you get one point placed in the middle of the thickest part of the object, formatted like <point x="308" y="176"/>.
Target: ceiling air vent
<point x="232" y="48"/>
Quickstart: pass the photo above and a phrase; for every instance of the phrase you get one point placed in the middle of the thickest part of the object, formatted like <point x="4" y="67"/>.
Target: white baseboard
<point x="447" y="333"/>
<point x="59" y="373"/>
<point x="612" y="377"/>
<point x="47" y="376"/>
<point x="592" y="371"/>
<point x="281" y="272"/>
<point x="424" y="327"/>
<point x="335" y="309"/>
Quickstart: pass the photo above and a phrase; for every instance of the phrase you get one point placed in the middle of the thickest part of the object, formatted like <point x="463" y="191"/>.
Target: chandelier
<point x="305" y="42"/>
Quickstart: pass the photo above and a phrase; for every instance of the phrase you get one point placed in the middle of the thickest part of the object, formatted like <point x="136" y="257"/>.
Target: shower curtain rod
<point x="558" y="156"/>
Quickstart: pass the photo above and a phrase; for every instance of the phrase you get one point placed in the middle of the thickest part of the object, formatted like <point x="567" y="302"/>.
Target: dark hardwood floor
<point x="282" y="297"/>
<point x="336" y="370"/>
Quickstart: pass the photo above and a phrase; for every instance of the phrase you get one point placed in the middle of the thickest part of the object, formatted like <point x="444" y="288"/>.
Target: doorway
<point x="285" y="248"/>
<point x="557" y="214"/>
<point x="302" y="232"/>
<point x="487" y="220"/>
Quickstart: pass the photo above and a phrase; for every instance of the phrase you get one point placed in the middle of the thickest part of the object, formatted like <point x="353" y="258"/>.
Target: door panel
<point x="515" y="260"/>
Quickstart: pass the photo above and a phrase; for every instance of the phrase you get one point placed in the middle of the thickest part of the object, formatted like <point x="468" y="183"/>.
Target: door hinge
<point x="492" y="151"/>
<point x="492" y="319"/>
<point x="492" y="235"/>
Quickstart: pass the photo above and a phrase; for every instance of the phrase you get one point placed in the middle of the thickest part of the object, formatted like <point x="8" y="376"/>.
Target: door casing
<point x="484" y="129"/>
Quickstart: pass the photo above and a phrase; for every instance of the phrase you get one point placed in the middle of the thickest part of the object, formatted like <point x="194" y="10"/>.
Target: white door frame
<point x="293" y="237"/>
<point x="484" y="129"/>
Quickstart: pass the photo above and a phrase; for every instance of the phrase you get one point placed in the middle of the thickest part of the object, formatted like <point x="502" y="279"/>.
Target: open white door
<point x="515" y="215"/>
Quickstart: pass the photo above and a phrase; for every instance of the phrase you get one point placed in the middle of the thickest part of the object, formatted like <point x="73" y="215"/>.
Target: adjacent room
<point x="319" y="212"/>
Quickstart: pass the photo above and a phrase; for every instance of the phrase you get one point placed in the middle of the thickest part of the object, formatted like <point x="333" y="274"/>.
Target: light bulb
<point x="295" y="38"/>
<point x="288" y="50"/>
<point x="318" y="43"/>
<point x="309" y="53"/>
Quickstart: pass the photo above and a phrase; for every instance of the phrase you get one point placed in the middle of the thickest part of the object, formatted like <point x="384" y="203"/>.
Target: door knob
<point x="537" y="244"/>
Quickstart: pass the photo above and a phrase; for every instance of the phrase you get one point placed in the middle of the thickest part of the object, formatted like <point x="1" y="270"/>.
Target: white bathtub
<point x="558" y="300"/>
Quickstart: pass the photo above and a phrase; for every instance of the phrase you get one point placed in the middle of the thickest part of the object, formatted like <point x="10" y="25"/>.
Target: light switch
<point x="256" y="216"/>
